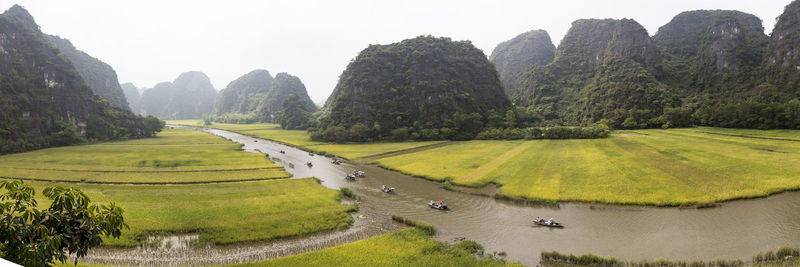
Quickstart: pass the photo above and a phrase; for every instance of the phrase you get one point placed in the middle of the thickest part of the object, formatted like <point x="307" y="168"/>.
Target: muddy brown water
<point x="734" y="230"/>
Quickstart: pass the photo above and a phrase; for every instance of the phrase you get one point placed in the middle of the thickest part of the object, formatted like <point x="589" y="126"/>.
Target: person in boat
<point x="432" y="203"/>
<point x="384" y="187"/>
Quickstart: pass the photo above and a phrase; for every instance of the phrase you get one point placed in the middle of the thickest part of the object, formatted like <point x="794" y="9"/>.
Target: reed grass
<point x="407" y="247"/>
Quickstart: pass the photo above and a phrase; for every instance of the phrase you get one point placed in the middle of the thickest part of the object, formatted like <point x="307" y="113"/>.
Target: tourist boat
<point x="554" y="224"/>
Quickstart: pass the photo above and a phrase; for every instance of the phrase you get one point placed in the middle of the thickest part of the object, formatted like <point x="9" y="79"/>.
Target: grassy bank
<point x="301" y="139"/>
<point x="222" y="213"/>
<point x="784" y="256"/>
<point x="649" y="167"/>
<point x="174" y="156"/>
<point x="407" y="247"/>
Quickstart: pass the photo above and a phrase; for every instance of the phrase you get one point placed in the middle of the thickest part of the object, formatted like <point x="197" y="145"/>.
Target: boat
<point x="359" y="174"/>
<point x="544" y="223"/>
<point x="336" y="162"/>
<point x="388" y="190"/>
<point x="350" y="177"/>
<point x="309" y="164"/>
<point x="433" y="205"/>
<point x="283" y="152"/>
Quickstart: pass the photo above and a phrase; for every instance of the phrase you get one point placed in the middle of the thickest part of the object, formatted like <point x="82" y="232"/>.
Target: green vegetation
<point x="419" y="84"/>
<point x="407" y="247"/>
<point x="785" y="256"/>
<point x="646" y="167"/>
<point x="429" y="229"/>
<point x="70" y="226"/>
<point x="257" y="97"/>
<point x="704" y="67"/>
<point x="175" y="156"/>
<point x="44" y="100"/>
<point x="514" y="57"/>
<point x="243" y="96"/>
<point x="223" y="213"/>
<point x="219" y="213"/>
<point x="355" y="151"/>
<point x="99" y="76"/>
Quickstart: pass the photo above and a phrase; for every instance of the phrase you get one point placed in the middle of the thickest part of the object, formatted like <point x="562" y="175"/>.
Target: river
<point x="734" y="230"/>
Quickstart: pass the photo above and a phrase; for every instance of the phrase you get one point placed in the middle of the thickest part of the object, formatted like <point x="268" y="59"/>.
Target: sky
<point x="148" y="42"/>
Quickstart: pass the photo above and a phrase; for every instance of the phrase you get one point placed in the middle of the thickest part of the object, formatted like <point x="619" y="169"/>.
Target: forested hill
<point x="704" y="67"/>
<point x="245" y="94"/>
<point x="190" y="96"/>
<point x="44" y="100"/>
<point x="514" y="57"/>
<point x="603" y="69"/>
<point x="100" y="77"/>
<point x="419" y="84"/>
<point x="284" y="86"/>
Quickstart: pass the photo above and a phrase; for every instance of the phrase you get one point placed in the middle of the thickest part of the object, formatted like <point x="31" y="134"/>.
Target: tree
<point x="33" y="237"/>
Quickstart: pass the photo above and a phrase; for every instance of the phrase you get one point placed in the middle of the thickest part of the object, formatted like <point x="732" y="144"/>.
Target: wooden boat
<point x="350" y="177"/>
<point x="438" y="207"/>
<point x="554" y="224"/>
<point x="388" y="190"/>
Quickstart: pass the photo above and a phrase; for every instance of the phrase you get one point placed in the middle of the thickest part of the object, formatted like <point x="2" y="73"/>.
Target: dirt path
<point x="367" y="160"/>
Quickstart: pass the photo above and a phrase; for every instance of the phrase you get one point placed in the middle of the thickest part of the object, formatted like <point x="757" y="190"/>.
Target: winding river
<point x="734" y="230"/>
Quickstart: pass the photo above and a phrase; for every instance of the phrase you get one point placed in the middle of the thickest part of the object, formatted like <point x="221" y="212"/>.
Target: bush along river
<point x="733" y="230"/>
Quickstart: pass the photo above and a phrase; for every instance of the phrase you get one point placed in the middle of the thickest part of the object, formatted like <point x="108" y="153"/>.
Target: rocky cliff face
<point x="100" y="77"/>
<point x="422" y="81"/>
<point x="190" y="96"/>
<point x="514" y="57"/>
<point x="784" y="49"/>
<point x="245" y="94"/>
<point x="282" y="87"/>
<point x="44" y="100"/>
<point x="599" y="67"/>
<point x="132" y="95"/>
<point x="589" y="42"/>
<point x="706" y="49"/>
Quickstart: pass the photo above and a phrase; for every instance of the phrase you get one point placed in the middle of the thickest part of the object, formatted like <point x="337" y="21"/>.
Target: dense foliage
<point x="44" y="100"/>
<point x="188" y="97"/>
<point x="71" y="225"/>
<point x="243" y="95"/>
<point x="705" y="67"/>
<point x="424" y="87"/>
<point x="98" y="75"/>
<point x="514" y="57"/>
<point x="257" y="97"/>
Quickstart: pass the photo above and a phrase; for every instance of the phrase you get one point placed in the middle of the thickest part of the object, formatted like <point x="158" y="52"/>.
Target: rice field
<point x="300" y="138"/>
<point x="223" y="213"/>
<point x="648" y="167"/>
<point x="407" y="247"/>
<point x="174" y="156"/>
<point x="168" y="185"/>
<point x="269" y="131"/>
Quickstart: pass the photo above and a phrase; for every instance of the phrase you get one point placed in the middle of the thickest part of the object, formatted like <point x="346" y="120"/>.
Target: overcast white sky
<point x="148" y="42"/>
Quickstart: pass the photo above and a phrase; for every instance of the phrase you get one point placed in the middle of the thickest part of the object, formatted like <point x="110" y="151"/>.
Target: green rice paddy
<point x="649" y="167"/>
<point x="175" y="156"/>
<point x="222" y="213"/>
<point x="407" y="247"/>
<point x="193" y="201"/>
